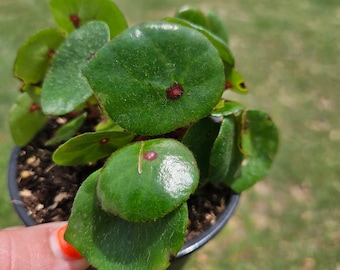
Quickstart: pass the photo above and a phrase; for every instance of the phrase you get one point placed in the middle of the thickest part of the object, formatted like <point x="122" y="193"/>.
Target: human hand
<point x="38" y="247"/>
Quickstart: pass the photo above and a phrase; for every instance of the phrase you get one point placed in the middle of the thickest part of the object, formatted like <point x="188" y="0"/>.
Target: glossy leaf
<point x="221" y="46"/>
<point x="200" y="138"/>
<point x="145" y="172"/>
<point x="164" y="76"/>
<point x="26" y="120"/>
<point x="221" y="152"/>
<point x="71" y="14"/>
<point x="68" y="130"/>
<point x="65" y="88"/>
<point x="263" y="140"/>
<point x="90" y="147"/>
<point x="109" y="242"/>
<point x="35" y="55"/>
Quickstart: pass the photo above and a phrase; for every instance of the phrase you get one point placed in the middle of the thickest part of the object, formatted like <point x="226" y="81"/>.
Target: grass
<point x="289" y="53"/>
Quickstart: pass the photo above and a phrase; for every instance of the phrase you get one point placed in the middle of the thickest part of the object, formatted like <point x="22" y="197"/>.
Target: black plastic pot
<point x="18" y="204"/>
<point x="187" y="248"/>
<point x="199" y="241"/>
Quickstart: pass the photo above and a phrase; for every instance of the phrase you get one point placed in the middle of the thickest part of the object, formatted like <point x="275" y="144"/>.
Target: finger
<point x="36" y="247"/>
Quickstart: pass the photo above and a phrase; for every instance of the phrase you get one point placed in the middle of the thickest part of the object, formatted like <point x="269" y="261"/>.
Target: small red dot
<point x="74" y="18"/>
<point x="34" y="107"/>
<point x="50" y="54"/>
<point x="150" y="155"/>
<point x="175" y="91"/>
<point x="104" y="140"/>
<point x="228" y="85"/>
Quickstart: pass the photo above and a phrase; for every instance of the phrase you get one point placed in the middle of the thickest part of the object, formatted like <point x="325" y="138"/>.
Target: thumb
<point x="36" y="247"/>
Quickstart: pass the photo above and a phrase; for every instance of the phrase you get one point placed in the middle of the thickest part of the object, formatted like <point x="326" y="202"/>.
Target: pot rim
<point x="16" y="200"/>
<point x="188" y="247"/>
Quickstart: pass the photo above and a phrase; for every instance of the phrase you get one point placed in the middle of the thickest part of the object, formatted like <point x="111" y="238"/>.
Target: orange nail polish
<point x="66" y="247"/>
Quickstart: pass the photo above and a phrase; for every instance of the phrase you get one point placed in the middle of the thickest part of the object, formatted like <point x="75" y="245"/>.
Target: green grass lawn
<point x="288" y="51"/>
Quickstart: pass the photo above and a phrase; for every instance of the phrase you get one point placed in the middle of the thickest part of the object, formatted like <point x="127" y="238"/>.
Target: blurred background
<point x="288" y="51"/>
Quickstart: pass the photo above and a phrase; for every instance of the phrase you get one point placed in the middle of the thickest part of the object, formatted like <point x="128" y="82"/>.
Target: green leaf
<point x="90" y="147"/>
<point x="65" y="88"/>
<point x="221" y="152"/>
<point x="227" y="108"/>
<point x="200" y="138"/>
<point x="164" y="76"/>
<point x="264" y="141"/>
<point x="138" y="175"/>
<point x="26" y="120"/>
<point x="237" y="158"/>
<point x="34" y="91"/>
<point x="193" y="15"/>
<point x="68" y="130"/>
<point x="221" y="46"/>
<point x="210" y="21"/>
<point x="35" y="55"/>
<point x="216" y="25"/>
<point x="108" y="124"/>
<point x="108" y="242"/>
<point x="235" y="81"/>
<point x="71" y="14"/>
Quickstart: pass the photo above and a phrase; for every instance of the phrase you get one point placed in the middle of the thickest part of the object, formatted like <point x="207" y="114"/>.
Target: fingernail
<point x="61" y="247"/>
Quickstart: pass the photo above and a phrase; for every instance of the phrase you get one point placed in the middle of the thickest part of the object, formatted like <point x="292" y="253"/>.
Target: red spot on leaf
<point x="228" y="85"/>
<point x="150" y="155"/>
<point x="50" y="53"/>
<point x="34" y="107"/>
<point x="175" y="91"/>
<point x="104" y="140"/>
<point x="74" y="18"/>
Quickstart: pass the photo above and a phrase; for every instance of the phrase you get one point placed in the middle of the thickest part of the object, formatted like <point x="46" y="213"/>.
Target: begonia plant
<point x="165" y="125"/>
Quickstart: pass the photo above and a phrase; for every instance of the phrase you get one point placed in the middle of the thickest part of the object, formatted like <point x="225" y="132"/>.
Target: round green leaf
<point x="220" y="44"/>
<point x="138" y="175"/>
<point x="65" y="88"/>
<point x="108" y="242"/>
<point x="193" y="15"/>
<point x="221" y="152"/>
<point x="91" y="146"/>
<point x="261" y="142"/>
<point x="200" y="138"/>
<point x="35" y="55"/>
<point x="210" y="21"/>
<point x="26" y="120"/>
<point x="156" y="77"/>
<point x="71" y="14"/>
<point x="216" y="25"/>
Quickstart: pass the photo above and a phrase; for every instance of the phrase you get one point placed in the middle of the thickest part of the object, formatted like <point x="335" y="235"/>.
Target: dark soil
<point x="48" y="189"/>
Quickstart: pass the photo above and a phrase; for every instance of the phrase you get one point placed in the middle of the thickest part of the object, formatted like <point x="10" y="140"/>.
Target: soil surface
<point x="48" y="189"/>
